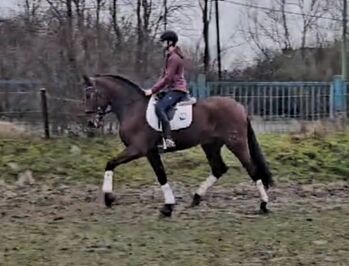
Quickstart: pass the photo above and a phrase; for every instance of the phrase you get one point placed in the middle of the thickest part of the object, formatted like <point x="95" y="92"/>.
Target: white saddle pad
<point x="182" y="118"/>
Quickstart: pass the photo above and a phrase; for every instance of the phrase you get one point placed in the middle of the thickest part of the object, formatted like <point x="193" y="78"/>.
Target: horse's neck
<point x="125" y="105"/>
<point x="124" y="98"/>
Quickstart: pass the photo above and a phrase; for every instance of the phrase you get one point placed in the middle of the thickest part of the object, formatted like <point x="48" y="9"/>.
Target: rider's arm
<point x="169" y="75"/>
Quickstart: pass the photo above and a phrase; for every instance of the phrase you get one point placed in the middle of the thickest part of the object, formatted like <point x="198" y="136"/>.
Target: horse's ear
<point x="87" y="80"/>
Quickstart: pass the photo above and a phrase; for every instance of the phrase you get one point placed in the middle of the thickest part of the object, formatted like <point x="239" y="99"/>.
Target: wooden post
<point x="45" y="112"/>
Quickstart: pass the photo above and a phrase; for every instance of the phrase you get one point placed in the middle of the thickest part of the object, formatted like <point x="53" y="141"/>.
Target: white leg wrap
<point x="168" y="194"/>
<point x="108" y="182"/>
<point x="261" y="189"/>
<point x="209" y="182"/>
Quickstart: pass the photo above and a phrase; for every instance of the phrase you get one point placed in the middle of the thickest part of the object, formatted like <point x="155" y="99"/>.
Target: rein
<point x="101" y="112"/>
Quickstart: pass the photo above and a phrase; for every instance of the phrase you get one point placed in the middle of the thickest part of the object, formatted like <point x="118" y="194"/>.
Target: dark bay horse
<point x="216" y="121"/>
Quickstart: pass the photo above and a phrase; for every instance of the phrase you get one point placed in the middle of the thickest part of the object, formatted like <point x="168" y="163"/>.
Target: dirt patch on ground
<point x="68" y="225"/>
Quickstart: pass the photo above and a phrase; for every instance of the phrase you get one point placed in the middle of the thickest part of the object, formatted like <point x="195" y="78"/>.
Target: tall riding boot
<point x="166" y="130"/>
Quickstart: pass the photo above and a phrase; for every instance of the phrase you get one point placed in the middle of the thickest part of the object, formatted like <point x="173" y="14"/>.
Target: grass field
<point x="59" y="218"/>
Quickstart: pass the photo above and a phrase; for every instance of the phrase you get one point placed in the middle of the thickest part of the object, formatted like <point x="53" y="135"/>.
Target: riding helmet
<point x="169" y="36"/>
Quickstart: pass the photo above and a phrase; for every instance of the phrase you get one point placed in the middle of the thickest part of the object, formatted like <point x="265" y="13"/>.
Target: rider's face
<point x="164" y="45"/>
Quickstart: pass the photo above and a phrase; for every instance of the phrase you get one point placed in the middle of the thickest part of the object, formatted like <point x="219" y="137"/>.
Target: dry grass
<point x="10" y="130"/>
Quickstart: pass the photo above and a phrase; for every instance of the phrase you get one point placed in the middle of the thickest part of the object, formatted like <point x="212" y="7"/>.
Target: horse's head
<point x="96" y="101"/>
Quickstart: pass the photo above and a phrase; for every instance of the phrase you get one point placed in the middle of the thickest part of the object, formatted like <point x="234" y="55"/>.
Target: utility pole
<point x="206" y="36"/>
<point x="218" y="42"/>
<point x="344" y="42"/>
<point x="165" y="14"/>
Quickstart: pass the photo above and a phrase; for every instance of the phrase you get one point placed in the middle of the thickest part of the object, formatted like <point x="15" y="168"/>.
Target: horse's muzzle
<point x="95" y="122"/>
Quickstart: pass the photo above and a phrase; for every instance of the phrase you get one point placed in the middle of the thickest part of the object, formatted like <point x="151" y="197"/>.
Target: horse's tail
<point x="257" y="156"/>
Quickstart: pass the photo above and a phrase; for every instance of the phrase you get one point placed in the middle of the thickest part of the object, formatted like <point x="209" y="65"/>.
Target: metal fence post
<point x="45" y="112"/>
<point x="337" y="96"/>
<point x="194" y="89"/>
<point x="202" y="88"/>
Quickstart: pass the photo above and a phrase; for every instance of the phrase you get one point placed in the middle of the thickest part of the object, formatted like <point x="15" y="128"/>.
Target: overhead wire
<point x="278" y="10"/>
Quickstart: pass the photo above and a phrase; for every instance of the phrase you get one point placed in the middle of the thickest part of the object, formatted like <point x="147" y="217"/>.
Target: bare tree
<point x="74" y="37"/>
<point x="99" y="5"/>
<point x="31" y="7"/>
<point x="253" y="33"/>
<point x="165" y="14"/>
<point x="311" y="12"/>
<point x="115" y="23"/>
<point x="285" y="25"/>
<point x="274" y="24"/>
<point x="80" y="12"/>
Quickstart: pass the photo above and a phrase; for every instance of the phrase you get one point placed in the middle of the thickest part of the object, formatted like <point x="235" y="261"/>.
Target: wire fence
<point x="41" y="112"/>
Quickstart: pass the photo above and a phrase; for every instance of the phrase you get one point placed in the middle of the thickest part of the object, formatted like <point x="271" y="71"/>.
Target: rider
<point x="172" y="82"/>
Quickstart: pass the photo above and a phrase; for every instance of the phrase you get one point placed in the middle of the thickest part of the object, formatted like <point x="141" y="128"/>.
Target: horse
<point x="211" y="123"/>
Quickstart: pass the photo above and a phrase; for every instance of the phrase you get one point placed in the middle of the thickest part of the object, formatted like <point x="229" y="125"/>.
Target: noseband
<point x="100" y="112"/>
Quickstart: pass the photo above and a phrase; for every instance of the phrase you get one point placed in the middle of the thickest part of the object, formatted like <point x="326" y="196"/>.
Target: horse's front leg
<point x="156" y="163"/>
<point x="127" y="155"/>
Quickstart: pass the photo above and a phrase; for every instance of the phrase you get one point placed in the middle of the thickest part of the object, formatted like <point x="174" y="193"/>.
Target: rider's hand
<point x="148" y="92"/>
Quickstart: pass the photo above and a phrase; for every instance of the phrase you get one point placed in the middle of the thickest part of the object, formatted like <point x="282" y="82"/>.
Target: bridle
<point x="100" y="112"/>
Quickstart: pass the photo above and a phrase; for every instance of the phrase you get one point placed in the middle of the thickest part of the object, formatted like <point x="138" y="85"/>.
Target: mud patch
<point x="68" y="225"/>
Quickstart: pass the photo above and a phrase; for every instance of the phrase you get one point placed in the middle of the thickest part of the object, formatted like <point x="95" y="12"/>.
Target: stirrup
<point x="168" y="143"/>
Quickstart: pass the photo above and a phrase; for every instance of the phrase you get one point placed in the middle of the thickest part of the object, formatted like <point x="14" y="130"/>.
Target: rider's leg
<point x="160" y="109"/>
<point x="170" y="99"/>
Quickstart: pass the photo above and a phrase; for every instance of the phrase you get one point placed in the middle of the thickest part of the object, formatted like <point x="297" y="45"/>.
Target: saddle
<point x="180" y="115"/>
<point x="187" y="100"/>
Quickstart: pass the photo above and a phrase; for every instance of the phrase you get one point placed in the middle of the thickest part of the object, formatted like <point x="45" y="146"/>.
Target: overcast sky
<point x="231" y="19"/>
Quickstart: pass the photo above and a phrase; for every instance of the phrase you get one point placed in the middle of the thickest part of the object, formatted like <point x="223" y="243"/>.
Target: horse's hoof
<point x="167" y="209"/>
<point x="263" y="208"/>
<point x="108" y="199"/>
<point x="196" y="200"/>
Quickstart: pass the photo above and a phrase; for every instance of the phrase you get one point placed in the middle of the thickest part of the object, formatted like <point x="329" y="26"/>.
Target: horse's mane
<point x="118" y="77"/>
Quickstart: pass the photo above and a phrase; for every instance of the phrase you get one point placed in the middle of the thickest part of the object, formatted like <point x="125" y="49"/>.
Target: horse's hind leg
<point x="218" y="168"/>
<point x="241" y="150"/>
